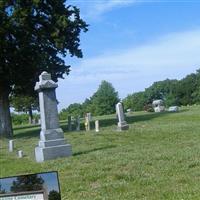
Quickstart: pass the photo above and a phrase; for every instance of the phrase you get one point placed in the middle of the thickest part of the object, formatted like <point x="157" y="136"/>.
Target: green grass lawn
<point x="158" y="158"/>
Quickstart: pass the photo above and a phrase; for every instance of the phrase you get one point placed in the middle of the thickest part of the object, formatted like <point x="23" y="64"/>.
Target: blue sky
<point x="132" y="44"/>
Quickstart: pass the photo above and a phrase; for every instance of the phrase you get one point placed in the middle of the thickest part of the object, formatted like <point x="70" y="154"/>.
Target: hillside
<point x="158" y="158"/>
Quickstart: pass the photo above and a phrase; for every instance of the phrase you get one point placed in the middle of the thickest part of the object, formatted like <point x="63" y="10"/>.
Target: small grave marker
<point x="20" y="154"/>
<point x="122" y="125"/>
<point x="11" y="145"/>
<point x="97" y="125"/>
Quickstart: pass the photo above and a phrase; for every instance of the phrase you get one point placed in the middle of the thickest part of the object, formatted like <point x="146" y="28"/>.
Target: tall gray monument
<point x="52" y="143"/>
<point x="122" y="125"/>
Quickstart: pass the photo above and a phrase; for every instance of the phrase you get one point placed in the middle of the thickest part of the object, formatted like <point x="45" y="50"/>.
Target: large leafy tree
<point x="25" y="104"/>
<point x="102" y="102"/>
<point x="135" y="101"/>
<point x="27" y="183"/>
<point x="160" y="89"/>
<point x="75" y="109"/>
<point x="104" y="99"/>
<point x="35" y="36"/>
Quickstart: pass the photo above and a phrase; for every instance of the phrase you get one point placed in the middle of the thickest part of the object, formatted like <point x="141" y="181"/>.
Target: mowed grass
<point x="157" y="158"/>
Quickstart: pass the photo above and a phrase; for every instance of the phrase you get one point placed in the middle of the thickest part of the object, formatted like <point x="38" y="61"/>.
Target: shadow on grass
<point x="27" y="133"/>
<point x="137" y="118"/>
<point x="26" y="126"/>
<point x="92" y="150"/>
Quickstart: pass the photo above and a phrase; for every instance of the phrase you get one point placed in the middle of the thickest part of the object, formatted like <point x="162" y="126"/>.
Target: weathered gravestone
<point x="158" y="105"/>
<point x="88" y="118"/>
<point x="11" y="145"/>
<point x="122" y="125"/>
<point x="173" y="109"/>
<point x="52" y="143"/>
<point x="97" y="126"/>
<point x="20" y="154"/>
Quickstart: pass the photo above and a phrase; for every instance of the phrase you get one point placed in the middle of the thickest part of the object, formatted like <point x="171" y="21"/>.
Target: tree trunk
<point x="5" y="118"/>
<point x="30" y="113"/>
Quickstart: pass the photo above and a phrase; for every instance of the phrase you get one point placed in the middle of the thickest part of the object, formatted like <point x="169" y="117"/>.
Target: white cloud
<point x="171" y="56"/>
<point x="101" y="7"/>
<point x="94" y="9"/>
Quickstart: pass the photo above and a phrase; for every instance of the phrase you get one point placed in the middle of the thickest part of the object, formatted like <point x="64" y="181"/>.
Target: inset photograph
<point x="42" y="186"/>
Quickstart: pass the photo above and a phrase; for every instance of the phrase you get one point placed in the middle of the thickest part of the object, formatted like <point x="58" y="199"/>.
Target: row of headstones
<point x="11" y="149"/>
<point x="76" y="121"/>
<point x="122" y="124"/>
<point x="52" y="143"/>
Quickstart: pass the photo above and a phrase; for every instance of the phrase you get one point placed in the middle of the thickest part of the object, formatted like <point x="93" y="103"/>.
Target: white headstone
<point x="11" y="146"/>
<point x="20" y="154"/>
<point x="122" y="125"/>
<point x="87" y="121"/>
<point x="97" y="125"/>
<point x="173" y="109"/>
<point x="52" y="143"/>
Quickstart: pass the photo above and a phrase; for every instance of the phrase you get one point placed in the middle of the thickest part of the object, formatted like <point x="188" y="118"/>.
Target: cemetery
<point x="120" y="123"/>
<point x="157" y="157"/>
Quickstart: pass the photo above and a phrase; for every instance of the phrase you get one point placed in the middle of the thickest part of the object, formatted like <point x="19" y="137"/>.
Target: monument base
<point x="52" y="152"/>
<point x="122" y="126"/>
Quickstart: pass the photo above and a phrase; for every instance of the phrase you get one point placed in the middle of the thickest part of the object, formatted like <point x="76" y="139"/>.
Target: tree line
<point x="102" y="102"/>
<point x="174" y="92"/>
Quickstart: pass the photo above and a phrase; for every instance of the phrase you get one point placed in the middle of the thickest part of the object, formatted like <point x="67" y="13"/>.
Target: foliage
<point x="24" y="103"/>
<point x="72" y="110"/>
<point x="27" y="183"/>
<point x="135" y="102"/>
<point x="102" y="102"/>
<point x="160" y="89"/>
<point x="104" y="99"/>
<point x="174" y="92"/>
<point x="35" y="36"/>
<point x="19" y="119"/>
<point x="54" y="195"/>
